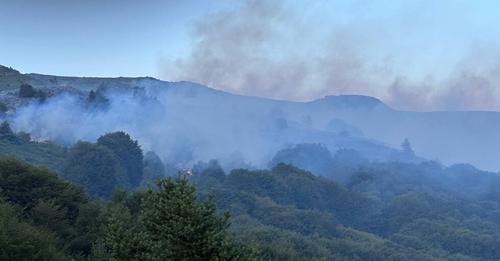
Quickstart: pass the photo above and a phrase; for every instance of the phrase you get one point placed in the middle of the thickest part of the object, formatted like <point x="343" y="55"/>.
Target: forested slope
<point x="356" y="210"/>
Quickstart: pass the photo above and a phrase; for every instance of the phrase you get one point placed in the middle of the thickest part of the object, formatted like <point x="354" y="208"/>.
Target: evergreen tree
<point x="125" y="237"/>
<point x="172" y="226"/>
<point x="184" y="229"/>
<point x="406" y="146"/>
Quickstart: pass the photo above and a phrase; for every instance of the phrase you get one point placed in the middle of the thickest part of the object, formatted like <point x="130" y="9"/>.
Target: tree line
<point x="111" y="201"/>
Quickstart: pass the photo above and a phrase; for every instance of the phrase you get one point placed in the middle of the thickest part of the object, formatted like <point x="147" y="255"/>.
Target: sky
<point x="414" y="55"/>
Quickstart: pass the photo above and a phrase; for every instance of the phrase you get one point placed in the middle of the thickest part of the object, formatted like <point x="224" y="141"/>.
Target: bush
<point x="28" y="91"/>
<point x="3" y="107"/>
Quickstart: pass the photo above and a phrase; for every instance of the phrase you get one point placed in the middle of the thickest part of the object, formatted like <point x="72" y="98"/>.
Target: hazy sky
<point x="423" y="55"/>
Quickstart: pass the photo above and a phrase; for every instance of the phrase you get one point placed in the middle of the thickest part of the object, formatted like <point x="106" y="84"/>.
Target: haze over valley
<point x="249" y="130"/>
<point x="185" y="122"/>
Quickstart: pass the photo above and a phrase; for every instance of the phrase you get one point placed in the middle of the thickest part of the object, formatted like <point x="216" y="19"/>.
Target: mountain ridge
<point x="38" y="80"/>
<point x="448" y="136"/>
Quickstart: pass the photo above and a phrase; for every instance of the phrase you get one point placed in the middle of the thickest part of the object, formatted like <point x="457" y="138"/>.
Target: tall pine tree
<point x="175" y="227"/>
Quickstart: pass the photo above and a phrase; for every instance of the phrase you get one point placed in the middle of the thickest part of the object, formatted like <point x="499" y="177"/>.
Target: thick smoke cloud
<point x="273" y="49"/>
<point x="474" y="84"/>
<point x="67" y="118"/>
<point x="183" y="123"/>
<point x="253" y="51"/>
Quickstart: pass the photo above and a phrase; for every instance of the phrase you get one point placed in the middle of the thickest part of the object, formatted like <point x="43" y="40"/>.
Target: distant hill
<point x="191" y="122"/>
<point x="10" y="79"/>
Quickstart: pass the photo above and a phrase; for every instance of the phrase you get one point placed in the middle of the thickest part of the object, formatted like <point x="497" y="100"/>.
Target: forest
<point x="109" y="200"/>
<point x="249" y="130"/>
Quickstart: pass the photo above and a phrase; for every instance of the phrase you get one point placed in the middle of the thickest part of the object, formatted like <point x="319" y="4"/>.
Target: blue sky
<point x="95" y="38"/>
<point x="410" y="53"/>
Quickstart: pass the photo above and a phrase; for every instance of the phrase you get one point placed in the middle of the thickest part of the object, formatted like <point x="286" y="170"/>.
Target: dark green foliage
<point x="190" y="231"/>
<point x="21" y="146"/>
<point x="129" y="154"/>
<point x="345" y="162"/>
<point x="288" y="185"/>
<point x="171" y="226"/>
<point x="6" y="133"/>
<point x="22" y="241"/>
<point x="210" y="174"/>
<point x="59" y="211"/>
<point x="97" y="99"/>
<point x="154" y="169"/>
<point x="3" y="107"/>
<point x="5" y="130"/>
<point x="25" y="185"/>
<point x="386" y="211"/>
<point x="378" y="211"/>
<point x="317" y="159"/>
<point x="124" y="237"/>
<point x="28" y="91"/>
<point x="95" y="167"/>
<point x="313" y="157"/>
<point x="212" y="169"/>
<point x="44" y="218"/>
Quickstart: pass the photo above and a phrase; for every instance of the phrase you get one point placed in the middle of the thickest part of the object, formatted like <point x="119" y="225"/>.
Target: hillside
<point x="387" y="211"/>
<point x="356" y="210"/>
<point x="236" y="129"/>
<point x="384" y="211"/>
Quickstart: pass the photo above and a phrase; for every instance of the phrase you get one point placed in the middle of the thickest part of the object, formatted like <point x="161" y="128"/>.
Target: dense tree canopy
<point x="45" y="218"/>
<point x="358" y="210"/>
<point x="171" y="226"/>
<point x="128" y="152"/>
<point x="58" y="212"/>
<point x="95" y="167"/>
<point x="21" y="241"/>
<point x="28" y="91"/>
<point x="154" y="169"/>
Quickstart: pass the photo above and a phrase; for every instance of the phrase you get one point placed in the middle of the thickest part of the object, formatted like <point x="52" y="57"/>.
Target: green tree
<point x="3" y="107"/>
<point x="94" y="167"/>
<point x="27" y="91"/>
<point x="128" y="152"/>
<point x="125" y="238"/>
<point x="5" y="129"/>
<point x="22" y="241"/>
<point x="188" y="230"/>
<point x="26" y="185"/>
<point x="6" y="133"/>
<point x="97" y="99"/>
<point x="406" y="147"/>
<point x="172" y="226"/>
<point x="51" y="205"/>
<point x="154" y="169"/>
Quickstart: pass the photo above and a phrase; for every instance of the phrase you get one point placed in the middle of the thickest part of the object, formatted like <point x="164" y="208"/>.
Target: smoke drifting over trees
<point x="184" y="123"/>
